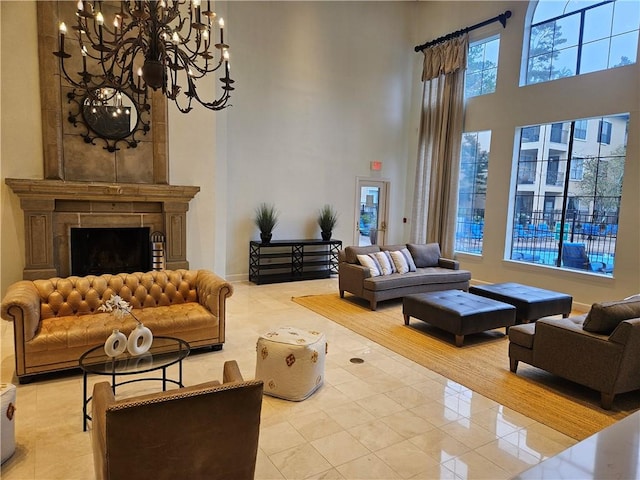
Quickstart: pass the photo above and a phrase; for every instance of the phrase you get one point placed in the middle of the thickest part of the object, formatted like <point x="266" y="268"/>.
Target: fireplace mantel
<point x="52" y="207"/>
<point x="98" y="191"/>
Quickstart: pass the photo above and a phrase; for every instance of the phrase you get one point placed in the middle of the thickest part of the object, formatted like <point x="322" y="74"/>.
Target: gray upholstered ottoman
<point x="531" y="303"/>
<point x="458" y="312"/>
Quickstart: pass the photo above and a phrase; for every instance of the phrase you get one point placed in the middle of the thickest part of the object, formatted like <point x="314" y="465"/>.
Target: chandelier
<point x="148" y="44"/>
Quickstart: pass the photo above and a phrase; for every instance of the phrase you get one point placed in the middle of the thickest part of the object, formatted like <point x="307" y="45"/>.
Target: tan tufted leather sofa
<point x="57" y="320"/>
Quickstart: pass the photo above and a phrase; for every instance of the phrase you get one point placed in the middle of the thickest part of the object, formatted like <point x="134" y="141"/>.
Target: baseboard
<point x="238" y="277"/>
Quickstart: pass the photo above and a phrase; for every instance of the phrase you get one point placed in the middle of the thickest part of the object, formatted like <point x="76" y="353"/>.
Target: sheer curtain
<point x="435" y="194"/>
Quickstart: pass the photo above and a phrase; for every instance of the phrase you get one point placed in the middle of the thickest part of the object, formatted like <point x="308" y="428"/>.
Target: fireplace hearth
<point x="95" y="251"/>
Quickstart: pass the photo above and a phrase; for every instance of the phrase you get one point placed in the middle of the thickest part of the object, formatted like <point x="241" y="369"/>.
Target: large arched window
<point x="573" y="37"/>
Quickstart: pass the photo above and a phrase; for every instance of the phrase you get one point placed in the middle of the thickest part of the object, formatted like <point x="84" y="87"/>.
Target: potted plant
<point x="266" y="219"/>
<point x="327" y="219"/>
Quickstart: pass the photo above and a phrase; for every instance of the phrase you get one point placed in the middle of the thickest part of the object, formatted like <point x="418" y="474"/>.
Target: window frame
<point x="604" y="134"/>
<point x="471" y="229"/>
<point x="578" y="129"/>
<point x="535" y="229"/>
<point x="530" y="25"/>
<point x="576" y="167"/>
<point x="482" y="41"/>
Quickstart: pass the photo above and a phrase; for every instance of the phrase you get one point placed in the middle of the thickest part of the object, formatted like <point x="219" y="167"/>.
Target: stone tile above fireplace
<point x="53" y="207"/>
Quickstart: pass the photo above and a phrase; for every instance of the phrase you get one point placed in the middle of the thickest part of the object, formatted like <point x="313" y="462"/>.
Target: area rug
<point x="481" y="364"/>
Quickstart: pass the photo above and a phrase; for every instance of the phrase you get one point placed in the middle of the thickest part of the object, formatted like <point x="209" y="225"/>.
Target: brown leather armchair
<point x="206" y="431"/>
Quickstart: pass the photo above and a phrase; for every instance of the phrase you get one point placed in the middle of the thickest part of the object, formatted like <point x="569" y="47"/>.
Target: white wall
<point x="323" y="88"/>
<point x="511" y="106"/>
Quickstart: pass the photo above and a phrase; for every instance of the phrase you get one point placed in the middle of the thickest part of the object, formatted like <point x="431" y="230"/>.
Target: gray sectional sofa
<point x="431" y="272"/>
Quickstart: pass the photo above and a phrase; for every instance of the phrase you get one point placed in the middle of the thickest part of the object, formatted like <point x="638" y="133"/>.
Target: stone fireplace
<point x="86" y="186"/>
<point x="53" y="208"/>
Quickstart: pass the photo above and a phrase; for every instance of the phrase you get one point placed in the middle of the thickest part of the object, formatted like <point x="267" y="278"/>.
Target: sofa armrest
<point x="213" y="292"/>
<point x="562" y="347"/>
<point x="21" y="304"/>
<point x="627" y="331"/>
<point x="448" y="263"/>
<point x="231" y="372"/>
<point x="351" y="277"/>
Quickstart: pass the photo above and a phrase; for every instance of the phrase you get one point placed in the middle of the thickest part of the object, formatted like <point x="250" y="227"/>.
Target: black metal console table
<point x="292" y="260"/>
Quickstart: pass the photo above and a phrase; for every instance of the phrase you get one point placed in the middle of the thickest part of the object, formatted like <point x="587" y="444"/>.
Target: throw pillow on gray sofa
<point x="605" y="317"/>
<point x="425" y="255"/>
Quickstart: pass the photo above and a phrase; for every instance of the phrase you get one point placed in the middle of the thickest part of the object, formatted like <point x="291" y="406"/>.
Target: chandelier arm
<point x="73" y="83"/>
<point x="206" y="69"/>
<point x="199" y="41"/>
<point x="132" y="48"/>
<point x="217" y="104"/>
<point x="192" y="21"/>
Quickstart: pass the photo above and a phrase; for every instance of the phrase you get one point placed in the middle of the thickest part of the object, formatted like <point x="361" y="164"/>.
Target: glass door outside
<point x="371" y="213"/>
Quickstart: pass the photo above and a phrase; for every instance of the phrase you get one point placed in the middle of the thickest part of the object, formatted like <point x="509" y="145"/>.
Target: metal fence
<point x="536" y="239"/>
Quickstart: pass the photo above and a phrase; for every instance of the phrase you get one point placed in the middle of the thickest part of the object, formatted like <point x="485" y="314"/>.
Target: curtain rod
<point x="502" y="18"/>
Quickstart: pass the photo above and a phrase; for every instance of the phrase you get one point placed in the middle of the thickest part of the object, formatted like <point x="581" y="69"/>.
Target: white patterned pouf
<point x="290" y="362"/>
<point x="7" y="422"/>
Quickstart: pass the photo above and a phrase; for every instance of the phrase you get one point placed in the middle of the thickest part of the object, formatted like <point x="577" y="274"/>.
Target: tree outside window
<point x="482" y="67"/>
<point x="570" y="38"/>
<point x="472" y="191"/>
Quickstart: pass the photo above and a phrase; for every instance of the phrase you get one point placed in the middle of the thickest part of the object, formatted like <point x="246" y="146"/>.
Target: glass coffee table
<point x="164" y="352"/>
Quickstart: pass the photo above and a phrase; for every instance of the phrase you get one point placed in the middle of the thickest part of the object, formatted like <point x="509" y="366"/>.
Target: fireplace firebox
<point x="95" y="251"/>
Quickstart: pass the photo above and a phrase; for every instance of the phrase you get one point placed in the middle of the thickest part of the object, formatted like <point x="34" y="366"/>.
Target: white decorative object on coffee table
<point x="290" y="362"/>
<point x="140" y="340"/>
<point x="116" y="343"/>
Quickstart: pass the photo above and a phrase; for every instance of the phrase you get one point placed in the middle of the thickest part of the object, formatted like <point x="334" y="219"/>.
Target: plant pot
<point x="326" y="236"/>
<point x="265" y="237"/>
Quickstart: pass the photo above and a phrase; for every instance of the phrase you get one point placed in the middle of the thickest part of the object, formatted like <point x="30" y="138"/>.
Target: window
<point x="580" y="130"/>
<point x="527" y="167"/>
<point x="604" y="132"/>
<point x="530" y="134"/>
<point x="553" y="173"/>
<point x="576" y="171"/>
<point x="472" y="191"/>
<point x="482" y="67"/>
<point x="556" y="133"/>
<point x="549" y="213"/>
<point x="571" y="38"/>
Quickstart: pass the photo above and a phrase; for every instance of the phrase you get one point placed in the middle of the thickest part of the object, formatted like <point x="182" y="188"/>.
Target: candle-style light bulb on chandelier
<point x="156" y="44"/>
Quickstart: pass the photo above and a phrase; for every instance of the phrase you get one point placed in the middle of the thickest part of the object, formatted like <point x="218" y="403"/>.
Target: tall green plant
<point x="266" y="217"/>
<point x="327" y="218"/>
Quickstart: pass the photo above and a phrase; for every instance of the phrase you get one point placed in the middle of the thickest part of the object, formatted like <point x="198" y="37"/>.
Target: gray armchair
<point x="205" y="431"/>
<point x="600" y="350"/>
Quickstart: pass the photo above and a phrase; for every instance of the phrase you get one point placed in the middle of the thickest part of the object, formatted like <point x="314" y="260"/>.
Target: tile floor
<point x="386" y="418"/>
